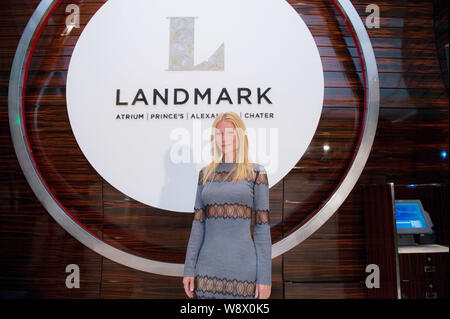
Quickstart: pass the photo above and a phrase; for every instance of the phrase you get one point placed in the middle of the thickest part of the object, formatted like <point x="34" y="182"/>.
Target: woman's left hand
<point x="262" y="291"/>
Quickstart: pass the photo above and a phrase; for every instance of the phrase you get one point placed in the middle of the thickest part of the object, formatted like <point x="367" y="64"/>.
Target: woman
<point x="222" y="260"/>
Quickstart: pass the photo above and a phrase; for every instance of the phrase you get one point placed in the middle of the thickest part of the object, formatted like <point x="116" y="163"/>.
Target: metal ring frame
<point x="82" y="234"/>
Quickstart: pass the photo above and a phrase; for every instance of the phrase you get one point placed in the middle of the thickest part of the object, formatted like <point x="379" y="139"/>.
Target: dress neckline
<point x="225" y="165"/>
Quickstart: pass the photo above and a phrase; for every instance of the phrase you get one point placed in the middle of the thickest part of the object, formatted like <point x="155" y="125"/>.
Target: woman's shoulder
<point x="200" y="175"/>
<point x="259" y="168"/>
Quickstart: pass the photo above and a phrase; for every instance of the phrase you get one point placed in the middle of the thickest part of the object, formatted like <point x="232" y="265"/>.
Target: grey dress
<point x="225" y="261"/>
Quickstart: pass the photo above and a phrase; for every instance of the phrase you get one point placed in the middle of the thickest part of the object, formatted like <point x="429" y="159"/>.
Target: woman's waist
<point x="227" y="249"/>
<point x="226" y="238"/>
<point x="220" y="239"/>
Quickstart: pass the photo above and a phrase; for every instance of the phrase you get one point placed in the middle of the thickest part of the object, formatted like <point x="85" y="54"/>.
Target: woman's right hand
<point x="188" y="283"/>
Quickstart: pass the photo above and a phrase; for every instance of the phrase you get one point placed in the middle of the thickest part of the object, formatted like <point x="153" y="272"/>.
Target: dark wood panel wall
<point x="380" y="238"/>
<point x="412" y="133"/>
<point x="441" y="33"/>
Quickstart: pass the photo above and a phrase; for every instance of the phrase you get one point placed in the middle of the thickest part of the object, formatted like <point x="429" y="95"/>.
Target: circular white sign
<point x="147" y="78"/>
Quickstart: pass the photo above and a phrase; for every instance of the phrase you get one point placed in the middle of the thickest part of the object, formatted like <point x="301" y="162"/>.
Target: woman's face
<point x="226" y="139"/>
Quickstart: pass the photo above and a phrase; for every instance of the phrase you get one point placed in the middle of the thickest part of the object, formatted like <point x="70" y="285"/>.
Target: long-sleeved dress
<point x="221" y="254"/>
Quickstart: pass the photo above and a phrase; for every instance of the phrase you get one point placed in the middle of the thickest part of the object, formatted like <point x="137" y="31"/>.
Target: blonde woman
<point x="222" y="260"/>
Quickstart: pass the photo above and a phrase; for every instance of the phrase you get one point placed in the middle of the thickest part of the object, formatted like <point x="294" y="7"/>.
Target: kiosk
<point x="414" y="225"/>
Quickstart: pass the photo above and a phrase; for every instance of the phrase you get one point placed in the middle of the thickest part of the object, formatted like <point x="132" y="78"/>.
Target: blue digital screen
<point x="409" y="215"/>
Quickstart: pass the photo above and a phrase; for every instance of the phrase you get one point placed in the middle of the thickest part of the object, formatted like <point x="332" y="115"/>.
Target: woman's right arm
<point x="197" y="232"/>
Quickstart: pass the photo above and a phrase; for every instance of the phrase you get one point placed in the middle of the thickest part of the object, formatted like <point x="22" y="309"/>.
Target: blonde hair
<point x="242" y="168"/>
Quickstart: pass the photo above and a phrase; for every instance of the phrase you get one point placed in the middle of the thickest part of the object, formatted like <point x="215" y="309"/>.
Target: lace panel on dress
<point x="199" y="214"/>
<point x="262" y="216"/>
<point x="200" y="177"/>
<point x="222" y="177"/>
<point x="261" y="178"/>
<point x="225" y="286"/>
<point x="228" y="210"/>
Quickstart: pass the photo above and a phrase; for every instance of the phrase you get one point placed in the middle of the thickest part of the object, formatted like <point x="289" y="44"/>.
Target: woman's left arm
<point x="262" y="237"/>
